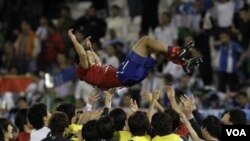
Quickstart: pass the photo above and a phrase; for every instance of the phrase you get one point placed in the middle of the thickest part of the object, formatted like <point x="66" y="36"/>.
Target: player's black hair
<point x="105" y="127"/>
<point x="21" y="119"/>
<point x="57" y="123"/>
<point x="68" y="109"/>
<point x="237" y="116"/>
<point x="213" y="126"/>
<point x="162" y="123"/>
<point x="35" y="115"/>
<point x="119" y="117"/>
<point x="176" y="121"/>
<point x="89" y="132"/>
<point x="138" y="123"/>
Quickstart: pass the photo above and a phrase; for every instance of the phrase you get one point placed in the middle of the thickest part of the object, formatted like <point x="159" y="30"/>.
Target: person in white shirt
<point x="38" y="116"/>
<point x="166" y="32"/>
<point x="225" y="12"/>
<point x="117" y="22"/>
<point x="42" y="31"/>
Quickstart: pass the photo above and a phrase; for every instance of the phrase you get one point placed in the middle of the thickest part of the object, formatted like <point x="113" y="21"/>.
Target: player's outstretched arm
<point x="79" y="49"/>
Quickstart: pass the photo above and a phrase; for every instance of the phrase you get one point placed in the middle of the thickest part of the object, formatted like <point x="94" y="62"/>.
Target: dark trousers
<point x="228" y="79"/>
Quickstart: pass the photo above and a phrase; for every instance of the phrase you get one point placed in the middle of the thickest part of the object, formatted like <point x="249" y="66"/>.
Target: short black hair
<point x="68" y="109"/>
<point x="58" y="122"/>
<point x="89" y="132"/>
<point x="21" y="119"/>
<point x="237" y="116"/>
<point x="35" y="115"/>
<point x="138" y="123"/>
<point x="105" y="127"/>
<point x="4" y="123"/>
<point x="176" y="120"/>
<point x="213" y="126"/>
<point x="119" y="117"/>
<point x="162" y="123"/>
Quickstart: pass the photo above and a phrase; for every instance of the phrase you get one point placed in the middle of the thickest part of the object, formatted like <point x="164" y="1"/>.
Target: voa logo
<point x="236" y="132"/>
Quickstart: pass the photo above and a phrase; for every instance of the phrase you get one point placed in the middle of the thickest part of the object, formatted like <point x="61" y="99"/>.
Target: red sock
<point x="180" y="62"/>
<point x="173" y="52"/>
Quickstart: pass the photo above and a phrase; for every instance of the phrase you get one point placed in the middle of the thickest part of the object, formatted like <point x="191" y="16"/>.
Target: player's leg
<point x="148" y="45"/>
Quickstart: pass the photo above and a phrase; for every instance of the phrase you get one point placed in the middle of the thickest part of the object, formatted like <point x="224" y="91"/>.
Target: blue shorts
<point x="134" y="69"/>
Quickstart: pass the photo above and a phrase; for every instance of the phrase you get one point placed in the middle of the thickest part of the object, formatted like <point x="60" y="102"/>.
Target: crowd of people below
<point x="178" y="122"/>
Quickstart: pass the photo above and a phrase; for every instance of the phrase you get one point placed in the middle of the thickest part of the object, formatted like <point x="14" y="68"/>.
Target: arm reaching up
<point x="96" y="58"/>
<point x="171" y="96"/>
<point x="79" y="49"/>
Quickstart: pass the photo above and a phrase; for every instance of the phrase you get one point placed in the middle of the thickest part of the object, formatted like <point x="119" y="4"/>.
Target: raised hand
<point x="71" y="34"/>
<point x="94" y="97"/>
<point x="156" y="95"/>
<point x="170" y="92"/>
<point x="133" y="105"/>
<point x="88" y="42"/>
<point x="186" y="105"/>
<point x="95" y="115"/>
<point x="108" y="98"/>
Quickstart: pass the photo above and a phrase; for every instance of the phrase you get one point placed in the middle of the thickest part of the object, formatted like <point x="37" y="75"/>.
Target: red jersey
<point x="103" y="77"/>
<point x="23" y="136"/>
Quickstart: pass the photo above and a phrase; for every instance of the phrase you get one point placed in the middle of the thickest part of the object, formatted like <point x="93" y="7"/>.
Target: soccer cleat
<point x="192" y="64"/>
<point x="185" y="50"/>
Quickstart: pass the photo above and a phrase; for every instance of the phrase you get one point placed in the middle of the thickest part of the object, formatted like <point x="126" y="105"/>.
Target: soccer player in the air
<point x="135" y="67"/>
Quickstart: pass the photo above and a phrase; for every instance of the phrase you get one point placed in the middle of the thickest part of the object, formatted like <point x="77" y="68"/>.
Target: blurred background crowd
<point x="37" y="57"/>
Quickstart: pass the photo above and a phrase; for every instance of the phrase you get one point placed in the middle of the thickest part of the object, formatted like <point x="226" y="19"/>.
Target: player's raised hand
<point x="156" y="95"/>
<point x="170" y="92"/>
<point x="94" y="97"/>
<point x="108" y="98"/>
<point x="71" y="34"/>
<point x="88" y="42"/>
<point x="133" y="105"/>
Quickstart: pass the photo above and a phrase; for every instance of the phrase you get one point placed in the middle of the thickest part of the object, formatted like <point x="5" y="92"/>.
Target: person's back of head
<point x="21" y="120"/>
<point x="119" y="117"/>
<point x="58" y="123"/>
<point x="68" y="109"/>
<point x="138" y="123"/>
<point x="211" y="125"/>
<point x="234" y="116"/>
<point x="237" y="116"/>
<point x="105" y="128"/>
<point x="37" y="115"/>
<point x="89" y="132"/>
<point x="162" y="123"/>
<point x="176" y="121"/>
